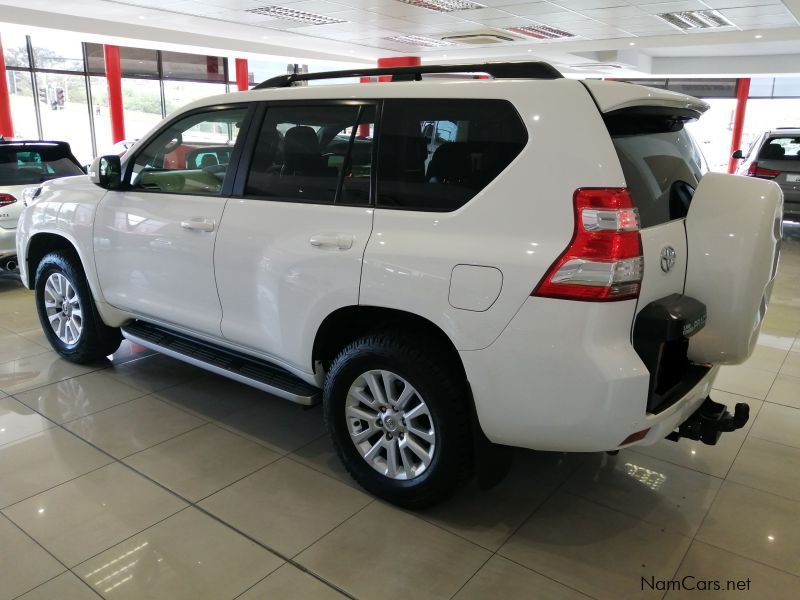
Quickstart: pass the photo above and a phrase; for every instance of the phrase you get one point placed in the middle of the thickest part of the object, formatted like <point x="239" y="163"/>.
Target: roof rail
<point x="498" y="70"/>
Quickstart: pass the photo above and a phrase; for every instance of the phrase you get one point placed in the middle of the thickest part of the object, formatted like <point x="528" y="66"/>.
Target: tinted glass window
<point x="34" y="165"/>
<point x="320" y="154"/>
<point x="661" y="168"/>
<point x="781" y="148"/>
<point x="191" y="156"/>
<point x="177" y="65"/>
<point x="436" y="155"/>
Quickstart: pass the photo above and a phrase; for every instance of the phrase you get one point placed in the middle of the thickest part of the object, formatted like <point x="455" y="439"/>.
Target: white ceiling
<point x="764" y="36"/>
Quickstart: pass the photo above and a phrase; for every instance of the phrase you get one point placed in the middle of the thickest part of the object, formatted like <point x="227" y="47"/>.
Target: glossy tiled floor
<point x="146" y="478"/>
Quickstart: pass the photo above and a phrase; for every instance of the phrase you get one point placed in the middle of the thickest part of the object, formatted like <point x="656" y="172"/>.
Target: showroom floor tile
<point x="117" y="479"/>
<point x="186" y="556"/>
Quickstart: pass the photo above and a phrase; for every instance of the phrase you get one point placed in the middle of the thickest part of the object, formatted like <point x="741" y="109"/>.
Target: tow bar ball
<point x="710" y="421"/>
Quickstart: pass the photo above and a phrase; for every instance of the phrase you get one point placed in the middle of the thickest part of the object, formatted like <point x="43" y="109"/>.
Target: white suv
<point x="452" y="267"/>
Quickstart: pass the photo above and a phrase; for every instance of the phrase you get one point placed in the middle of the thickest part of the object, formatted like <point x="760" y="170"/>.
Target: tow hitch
<point x="709" y="421"/>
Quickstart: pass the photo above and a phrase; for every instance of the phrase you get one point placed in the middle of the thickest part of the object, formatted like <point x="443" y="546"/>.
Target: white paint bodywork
<point x="545" y="373"/>
<point x="150" y="266"/>
<point x="275" y="286"/>
<point x="734" y="232"/>
<point x="614" y="95"/>
<point x="475" y="287"/>
<point x="9" y="216"/>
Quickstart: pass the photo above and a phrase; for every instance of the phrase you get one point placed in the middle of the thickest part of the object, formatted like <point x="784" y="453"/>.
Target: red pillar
<point x="242" y="75"/>
<point x="6" y="125"/>
<point x="114" y="78"/>
<point x="742" y="92"/>
<point x="397" y="61"/>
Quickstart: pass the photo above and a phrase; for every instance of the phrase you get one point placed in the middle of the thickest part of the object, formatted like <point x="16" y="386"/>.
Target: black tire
<point x="96" y="340"/>
<point x="420" y="361"/>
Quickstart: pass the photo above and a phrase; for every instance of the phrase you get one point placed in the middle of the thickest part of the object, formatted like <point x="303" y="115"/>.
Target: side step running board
<point x="228" y="363"/>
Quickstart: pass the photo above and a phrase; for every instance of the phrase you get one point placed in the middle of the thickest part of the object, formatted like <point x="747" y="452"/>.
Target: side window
<point x="436" y="155"/>
<point x="191" y="156"/>
<point x="320" y="154"/>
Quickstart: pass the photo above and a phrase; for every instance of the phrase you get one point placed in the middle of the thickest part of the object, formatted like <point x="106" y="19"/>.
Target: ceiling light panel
<point x="696" y="19"/>
<point x="288" y="14"/>
<point x="420" y="41"/>
<point x="540" y="32"/>
<point x="444" y="5"/>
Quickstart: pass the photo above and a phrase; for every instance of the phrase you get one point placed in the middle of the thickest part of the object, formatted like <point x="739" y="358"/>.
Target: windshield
<point x="24" y="166"/>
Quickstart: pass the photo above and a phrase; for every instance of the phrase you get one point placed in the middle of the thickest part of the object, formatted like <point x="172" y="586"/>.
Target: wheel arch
<point x="348" y="323"/>
<point x="42" y="244"/>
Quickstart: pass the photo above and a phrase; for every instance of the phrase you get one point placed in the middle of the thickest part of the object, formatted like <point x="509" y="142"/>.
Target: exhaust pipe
<point x="11" y="265"/>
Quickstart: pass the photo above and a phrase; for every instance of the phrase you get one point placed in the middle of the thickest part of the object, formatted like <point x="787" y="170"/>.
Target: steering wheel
<point x="173" y="144"/>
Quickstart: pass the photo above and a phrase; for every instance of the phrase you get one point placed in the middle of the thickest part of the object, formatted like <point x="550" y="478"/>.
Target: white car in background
<point x="24" y="164"/>
<point x="552" y="270"/>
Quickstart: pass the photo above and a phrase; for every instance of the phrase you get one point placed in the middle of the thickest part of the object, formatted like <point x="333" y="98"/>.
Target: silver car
<point x="775" y="155"/>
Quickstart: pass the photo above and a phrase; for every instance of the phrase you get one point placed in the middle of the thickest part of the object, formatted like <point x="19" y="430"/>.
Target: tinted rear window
<point x="781" y="148"/>
<point x="436" y="155"/>
<point x="23" y="166"/>
<point x="661" y="168"/>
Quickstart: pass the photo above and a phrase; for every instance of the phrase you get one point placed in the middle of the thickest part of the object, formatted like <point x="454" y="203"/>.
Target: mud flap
<point x="733" y="232"/>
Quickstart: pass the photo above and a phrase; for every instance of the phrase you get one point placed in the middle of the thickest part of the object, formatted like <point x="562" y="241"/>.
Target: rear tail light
<point x="755" y="171"/>
<point x="603" y="262"/>
<point x="6" y="199"/>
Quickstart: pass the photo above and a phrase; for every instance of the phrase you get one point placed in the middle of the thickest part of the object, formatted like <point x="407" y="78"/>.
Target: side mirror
<point x="738" y="155"/>
<point x="106" y="171"/>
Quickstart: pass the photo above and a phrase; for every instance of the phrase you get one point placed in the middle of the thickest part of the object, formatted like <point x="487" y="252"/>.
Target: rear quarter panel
<point x="519" y="223"/>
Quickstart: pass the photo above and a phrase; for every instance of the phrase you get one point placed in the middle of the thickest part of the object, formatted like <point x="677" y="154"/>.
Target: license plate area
<point x="793" y="178"/>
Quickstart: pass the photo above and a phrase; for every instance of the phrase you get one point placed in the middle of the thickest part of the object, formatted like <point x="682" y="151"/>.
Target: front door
<point x="289" y="250"/>
<point x="154" y="240"/>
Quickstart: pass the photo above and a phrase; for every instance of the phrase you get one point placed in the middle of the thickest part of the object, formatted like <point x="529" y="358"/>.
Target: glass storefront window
<point x="15" y="50"/>
<point x="65" y="112"/>
<point x="102" y="119"/>
<point x="763" y="114"/>
<point x="177" y="65"/>
<point x="787" y="87"/>
<point x="141" y="100"/>
<point x="761" y="87"/>
<point x="261" y="70"/>
<point x="180" y="93"/>
<point x="134" y="62"/>
<point x="23" y="111"/>
<point x="319" y="68"/>
<point x="56" y="51"/>
<point x="712" y="132"/>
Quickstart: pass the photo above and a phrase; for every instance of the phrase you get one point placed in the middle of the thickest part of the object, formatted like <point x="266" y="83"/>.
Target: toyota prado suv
<point x="451" y="267"/>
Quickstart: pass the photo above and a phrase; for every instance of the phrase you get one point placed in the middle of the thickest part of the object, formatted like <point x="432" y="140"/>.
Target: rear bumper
<point x="563" y="376"/>
<point x="8" y="242"/>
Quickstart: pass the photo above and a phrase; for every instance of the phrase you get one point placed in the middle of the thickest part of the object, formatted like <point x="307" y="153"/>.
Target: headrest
<point x="301" y="139"/>
<point x="772" y="151"/>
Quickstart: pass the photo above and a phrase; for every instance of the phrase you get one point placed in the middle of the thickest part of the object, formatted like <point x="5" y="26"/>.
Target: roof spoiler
<point x="614" y="95"/>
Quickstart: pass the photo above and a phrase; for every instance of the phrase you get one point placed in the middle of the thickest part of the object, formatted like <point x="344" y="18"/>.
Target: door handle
<point x="342" y="241"/>
<point x="198" y="224"/>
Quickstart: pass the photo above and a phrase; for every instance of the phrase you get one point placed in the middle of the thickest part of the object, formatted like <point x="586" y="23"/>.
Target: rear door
<point x="291" y="243"/>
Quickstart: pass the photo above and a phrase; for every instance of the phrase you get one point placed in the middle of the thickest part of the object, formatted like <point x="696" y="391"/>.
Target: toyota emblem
<point x="667" y="258"/>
